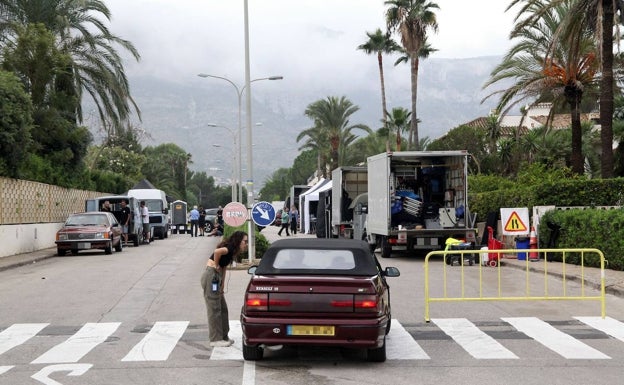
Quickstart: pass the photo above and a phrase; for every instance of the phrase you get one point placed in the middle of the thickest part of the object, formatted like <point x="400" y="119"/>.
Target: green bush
<point x="589" y="228"/>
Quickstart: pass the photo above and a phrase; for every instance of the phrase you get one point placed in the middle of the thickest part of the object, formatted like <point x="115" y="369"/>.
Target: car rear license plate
<point x="309" y="330"/>
<point x="84" y="245"/>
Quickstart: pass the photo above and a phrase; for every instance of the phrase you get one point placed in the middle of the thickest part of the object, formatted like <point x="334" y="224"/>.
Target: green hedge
<point x="593" y="228"/>
<point x="573" y="192"/>
<point x="590" y="228"/>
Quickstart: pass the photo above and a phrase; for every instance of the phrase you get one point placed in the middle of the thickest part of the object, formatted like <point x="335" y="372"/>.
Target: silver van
<point x="135" y="229"/>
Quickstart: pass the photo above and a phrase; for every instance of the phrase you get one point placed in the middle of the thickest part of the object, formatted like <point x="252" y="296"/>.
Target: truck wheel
<point x="386" y="248"/>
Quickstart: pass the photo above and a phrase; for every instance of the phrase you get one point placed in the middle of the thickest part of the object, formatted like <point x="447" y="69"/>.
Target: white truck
<point x="158" y="207"/>
<point x="418" y="199"/>
<point x="349" y="188"/>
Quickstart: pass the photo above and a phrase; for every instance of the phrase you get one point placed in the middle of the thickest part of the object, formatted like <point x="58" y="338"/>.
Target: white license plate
<point x="309" y="330"/>
<point x="399" y="247"/>
<point x="84" y="245"/>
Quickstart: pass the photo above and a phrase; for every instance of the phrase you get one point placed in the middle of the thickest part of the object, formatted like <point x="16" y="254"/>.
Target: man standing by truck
<point x="145" y="221"/>
<point x="125" y="220"/>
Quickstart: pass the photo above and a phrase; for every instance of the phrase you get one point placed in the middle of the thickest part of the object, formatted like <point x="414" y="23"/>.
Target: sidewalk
<point x="614" y="280"/>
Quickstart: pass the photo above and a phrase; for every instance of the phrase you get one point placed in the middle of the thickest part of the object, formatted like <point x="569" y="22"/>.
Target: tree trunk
<point x="606" y="91"/>
<point x="413" y="137"/>
<point x="574" y="95"/>
<point x="383" y="99"/>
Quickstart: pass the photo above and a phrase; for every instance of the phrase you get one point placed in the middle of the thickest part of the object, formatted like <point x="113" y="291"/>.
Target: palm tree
<point x="412" y="19"/>
<point x="380" y="43"/>
<point x="95" y="66"/>
<point x="331" y="132"/>
<point x="399" y="120"/>
<point x="562" y="74"/>
<point x="599" y="17"/>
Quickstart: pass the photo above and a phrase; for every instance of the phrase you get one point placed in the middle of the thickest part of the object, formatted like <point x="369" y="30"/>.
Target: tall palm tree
<point x="412" y="19"/>
<point x="95" y="66"/>
<point x="380" y="43"/>
<point x="549" y="66"/>
<point x="599" y="17"/>
<point x="332" y="131"/>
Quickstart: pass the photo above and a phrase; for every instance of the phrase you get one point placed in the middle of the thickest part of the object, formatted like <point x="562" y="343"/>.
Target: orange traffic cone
<point x="533" y="245"/>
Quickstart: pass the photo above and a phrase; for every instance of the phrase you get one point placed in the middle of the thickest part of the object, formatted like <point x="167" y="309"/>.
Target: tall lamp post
<point x="239" y="94"/>
<point x="236" y="165"/>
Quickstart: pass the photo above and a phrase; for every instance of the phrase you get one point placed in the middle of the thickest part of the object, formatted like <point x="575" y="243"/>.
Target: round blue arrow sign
<point x="263" y="213"/>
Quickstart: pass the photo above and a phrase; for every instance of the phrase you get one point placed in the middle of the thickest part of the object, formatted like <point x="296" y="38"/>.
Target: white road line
<point x="610" y="326"/>
<point x="554" y="339"/>
<point x="158" y="343"/>
<point x="17" y="334"/>
<point x="476" y="342"/>
<point x="401" y="346"/>
<point x="234" y="352"/>
<point x="78" y="345"/>
<point x="4" y="369"/>
<point x="249" y="373"/>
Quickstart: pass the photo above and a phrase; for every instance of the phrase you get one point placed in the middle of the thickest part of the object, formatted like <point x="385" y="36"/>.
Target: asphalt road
<point x="138" y="317"/>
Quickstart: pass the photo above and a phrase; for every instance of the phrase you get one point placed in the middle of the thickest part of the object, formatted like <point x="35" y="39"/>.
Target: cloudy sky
<point x="302" y="40"/>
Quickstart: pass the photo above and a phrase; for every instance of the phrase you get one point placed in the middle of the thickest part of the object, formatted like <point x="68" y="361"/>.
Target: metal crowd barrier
<point x="469" y="260"/>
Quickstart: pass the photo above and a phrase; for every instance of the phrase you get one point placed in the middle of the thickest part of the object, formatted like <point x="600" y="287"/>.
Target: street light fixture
<point x="236" y="159"/>
<point x="239" y="94"/>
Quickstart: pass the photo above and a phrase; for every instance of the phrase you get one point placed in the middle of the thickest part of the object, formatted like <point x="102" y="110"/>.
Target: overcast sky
<point x="299" y="39"/>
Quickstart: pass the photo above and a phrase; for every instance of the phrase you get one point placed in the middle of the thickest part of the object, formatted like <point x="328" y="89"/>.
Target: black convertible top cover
<point x="364" y="262"/>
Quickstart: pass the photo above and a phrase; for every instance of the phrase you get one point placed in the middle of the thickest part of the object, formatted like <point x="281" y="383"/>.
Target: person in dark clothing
<point x="212" y="282"/>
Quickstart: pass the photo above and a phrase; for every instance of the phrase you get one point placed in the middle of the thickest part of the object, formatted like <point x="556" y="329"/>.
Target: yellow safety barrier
<point x="466" y="258"/>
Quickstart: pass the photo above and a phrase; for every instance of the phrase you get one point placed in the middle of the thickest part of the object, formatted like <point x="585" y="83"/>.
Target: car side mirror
<point x="391" y="272"/>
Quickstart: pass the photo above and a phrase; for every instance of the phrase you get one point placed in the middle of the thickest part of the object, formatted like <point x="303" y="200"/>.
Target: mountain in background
<point x="450" y="94"/>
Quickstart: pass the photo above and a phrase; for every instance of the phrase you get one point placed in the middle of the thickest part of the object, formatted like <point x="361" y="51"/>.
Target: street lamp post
<point x="236" y="159"/>
<point x="239" y="94"/>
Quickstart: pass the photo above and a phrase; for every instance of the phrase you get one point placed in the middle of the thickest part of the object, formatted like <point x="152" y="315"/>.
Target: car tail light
<point x="359" y="303"/>
<point x="257" y="301"/>
<point x="366" y="303"/>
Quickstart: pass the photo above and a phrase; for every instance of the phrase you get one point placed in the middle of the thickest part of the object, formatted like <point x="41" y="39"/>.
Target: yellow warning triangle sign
<point x="514" y="223"/>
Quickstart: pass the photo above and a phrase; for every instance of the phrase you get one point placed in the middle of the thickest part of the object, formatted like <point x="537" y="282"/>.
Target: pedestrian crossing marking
<point x="4" y="369"/>
<point x="401" y="346"/>
<point x="234" y="352"/>
<point x="17" y="334"/>
<point x="158" y="343"/>
<point x="477" y="343"/>
<point x="608" y="325"/>
<point x="555" y="340"/>
<point x="78" y="345"/>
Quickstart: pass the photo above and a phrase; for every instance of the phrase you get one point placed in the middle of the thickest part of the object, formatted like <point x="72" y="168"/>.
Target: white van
<point x="158" y="207"/>
<point x="135" y="230"/>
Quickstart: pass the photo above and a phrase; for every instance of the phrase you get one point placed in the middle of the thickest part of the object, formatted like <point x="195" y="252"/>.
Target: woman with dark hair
<point x="212" y="282"/>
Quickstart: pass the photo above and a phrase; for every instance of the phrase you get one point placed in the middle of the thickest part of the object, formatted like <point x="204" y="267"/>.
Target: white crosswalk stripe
<point x="163" y="337"/>
<point x="81" y="343"/>
<point x="472" y="339"/>
<point x="554" y="339"/>
<point x="401" y="346"/>
<point x="159" y="342"/>
<point x="608" y="325"/>
<point x="17" y="334"/>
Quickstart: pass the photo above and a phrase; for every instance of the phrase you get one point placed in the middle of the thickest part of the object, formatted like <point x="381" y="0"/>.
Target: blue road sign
<point x="263" y="213"/>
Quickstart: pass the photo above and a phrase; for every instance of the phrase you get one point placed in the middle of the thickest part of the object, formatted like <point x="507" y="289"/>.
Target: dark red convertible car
<point x="317" y="292"/>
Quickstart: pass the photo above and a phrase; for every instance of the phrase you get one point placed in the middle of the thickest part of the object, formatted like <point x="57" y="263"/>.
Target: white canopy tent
<point x="304" y="202"/>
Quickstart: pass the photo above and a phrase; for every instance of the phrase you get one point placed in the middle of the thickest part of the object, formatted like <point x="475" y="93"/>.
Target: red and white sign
<point x="235" y="214"/>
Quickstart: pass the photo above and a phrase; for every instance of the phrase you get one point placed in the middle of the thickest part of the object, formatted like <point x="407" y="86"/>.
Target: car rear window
<point x="299" y="259"/>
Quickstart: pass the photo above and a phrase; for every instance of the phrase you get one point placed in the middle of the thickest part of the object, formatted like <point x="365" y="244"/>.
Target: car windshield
<point x="87" y="220"/>
<point x="314" y="259"/>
